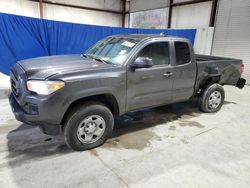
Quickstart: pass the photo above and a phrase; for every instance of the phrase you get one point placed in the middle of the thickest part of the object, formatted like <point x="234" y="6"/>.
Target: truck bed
<point x="202" y="58"/>
<point x="227" y="70"/>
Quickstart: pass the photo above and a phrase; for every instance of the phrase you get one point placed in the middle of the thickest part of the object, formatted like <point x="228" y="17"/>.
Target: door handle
<point x="168" y="74"/>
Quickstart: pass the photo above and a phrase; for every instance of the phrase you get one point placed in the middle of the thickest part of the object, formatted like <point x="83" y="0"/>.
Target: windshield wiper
<point x="84" y="55"/>
<point x="101" y="60"/>
<point x="96" y="59"/>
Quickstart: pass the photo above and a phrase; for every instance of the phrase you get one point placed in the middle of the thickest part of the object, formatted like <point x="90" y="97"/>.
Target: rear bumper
<point x="32" y="119"/>
<point x="241" y="83"/>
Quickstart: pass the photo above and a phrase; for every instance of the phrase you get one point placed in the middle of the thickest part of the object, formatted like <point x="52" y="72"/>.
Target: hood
<point x="44" y="67"/>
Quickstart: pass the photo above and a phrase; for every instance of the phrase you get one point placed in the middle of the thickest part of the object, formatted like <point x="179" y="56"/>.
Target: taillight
<point x="242" y="68"/>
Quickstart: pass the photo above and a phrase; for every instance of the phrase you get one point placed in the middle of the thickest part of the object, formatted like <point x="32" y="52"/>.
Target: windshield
<point x="112" y="49"/>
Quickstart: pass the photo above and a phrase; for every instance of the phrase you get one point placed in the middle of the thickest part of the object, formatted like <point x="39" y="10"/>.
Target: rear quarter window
<point x="182" y="53"/>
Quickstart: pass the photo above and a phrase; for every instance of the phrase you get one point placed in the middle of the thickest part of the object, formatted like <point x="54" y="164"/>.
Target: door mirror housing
<point x="142" y="62"/>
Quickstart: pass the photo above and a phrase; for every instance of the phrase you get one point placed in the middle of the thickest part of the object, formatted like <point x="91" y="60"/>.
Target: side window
<point x="182" y="53"/>
<point x="158" y="52"/>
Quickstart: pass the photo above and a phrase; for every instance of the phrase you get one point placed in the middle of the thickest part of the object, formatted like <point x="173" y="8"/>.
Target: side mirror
<point x="142" y="62"/>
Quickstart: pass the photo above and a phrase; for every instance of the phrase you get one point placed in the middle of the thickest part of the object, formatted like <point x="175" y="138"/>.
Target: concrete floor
<point x="172" y="146"/>
<point x="5" y="81"/>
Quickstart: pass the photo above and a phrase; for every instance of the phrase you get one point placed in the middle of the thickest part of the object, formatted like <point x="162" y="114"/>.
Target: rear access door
<point x="184" y="70"/>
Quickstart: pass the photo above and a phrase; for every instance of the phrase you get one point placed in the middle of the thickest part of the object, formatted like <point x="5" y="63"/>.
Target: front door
<point x="152" y="86"/>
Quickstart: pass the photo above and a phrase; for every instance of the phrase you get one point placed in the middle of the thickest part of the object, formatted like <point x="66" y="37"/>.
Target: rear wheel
<point x="88" y="126"/>
<point x="212" y="98"/>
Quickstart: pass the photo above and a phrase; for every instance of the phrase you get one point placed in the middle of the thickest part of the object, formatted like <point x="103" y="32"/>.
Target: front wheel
<point x="88" y="126"/>
<point x="212" y="98"/>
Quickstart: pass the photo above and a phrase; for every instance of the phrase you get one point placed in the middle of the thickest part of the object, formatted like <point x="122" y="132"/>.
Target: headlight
<point x="44" y="87"/>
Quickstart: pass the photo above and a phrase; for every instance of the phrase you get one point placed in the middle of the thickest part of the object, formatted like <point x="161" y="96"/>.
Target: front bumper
<point x="32" y="119"/>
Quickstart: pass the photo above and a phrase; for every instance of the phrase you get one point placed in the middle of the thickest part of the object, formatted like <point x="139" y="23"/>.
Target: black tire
<point x="205" y="99"/>
<point x="79" y="114"/>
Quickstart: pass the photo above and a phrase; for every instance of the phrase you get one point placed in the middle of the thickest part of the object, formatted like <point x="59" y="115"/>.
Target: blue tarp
<point x="24" y="37"/>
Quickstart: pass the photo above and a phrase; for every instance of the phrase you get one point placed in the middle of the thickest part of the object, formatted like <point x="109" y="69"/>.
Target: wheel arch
<point x="107" y="99"/>
<point x="209" y="80"/>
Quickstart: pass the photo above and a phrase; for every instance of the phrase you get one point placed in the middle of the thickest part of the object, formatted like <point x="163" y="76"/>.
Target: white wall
<point x="203" y="40"/>
<point x="232" y="32"/>
<point x="195" y="16"/>
<point x="75" y="15"/>
<point x="67" y="14"/>
<point x="20" y="7"/>
<point x="61" y="13"/>
<point x="191" y="16"/>
<point x="101" y="4"/>
<point x="141" y="5"/>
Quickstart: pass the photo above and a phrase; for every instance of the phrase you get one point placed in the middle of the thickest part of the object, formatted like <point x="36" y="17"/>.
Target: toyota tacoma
<point x="78" y="96"/>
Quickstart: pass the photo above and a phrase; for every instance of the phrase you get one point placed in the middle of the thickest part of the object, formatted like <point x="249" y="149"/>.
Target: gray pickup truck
<point x="78" y="96"/>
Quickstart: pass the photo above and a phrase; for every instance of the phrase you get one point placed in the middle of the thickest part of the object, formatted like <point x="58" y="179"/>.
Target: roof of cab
<point x="147" y="36"/>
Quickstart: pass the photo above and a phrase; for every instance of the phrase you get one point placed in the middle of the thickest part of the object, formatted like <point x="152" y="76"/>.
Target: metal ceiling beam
<point x="81" y="7"/>
<point x="213" y="13"/>
<point x="170" y="14"/>
<point x="123" y="3"/>
<point x="187" y="2"/>
<point x="41" y="8"/>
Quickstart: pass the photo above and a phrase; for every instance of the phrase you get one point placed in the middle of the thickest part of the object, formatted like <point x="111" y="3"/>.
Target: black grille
<point x="14" y="84"/>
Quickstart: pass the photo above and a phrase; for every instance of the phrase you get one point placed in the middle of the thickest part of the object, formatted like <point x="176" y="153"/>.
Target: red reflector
<point x="242" y="68"/>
